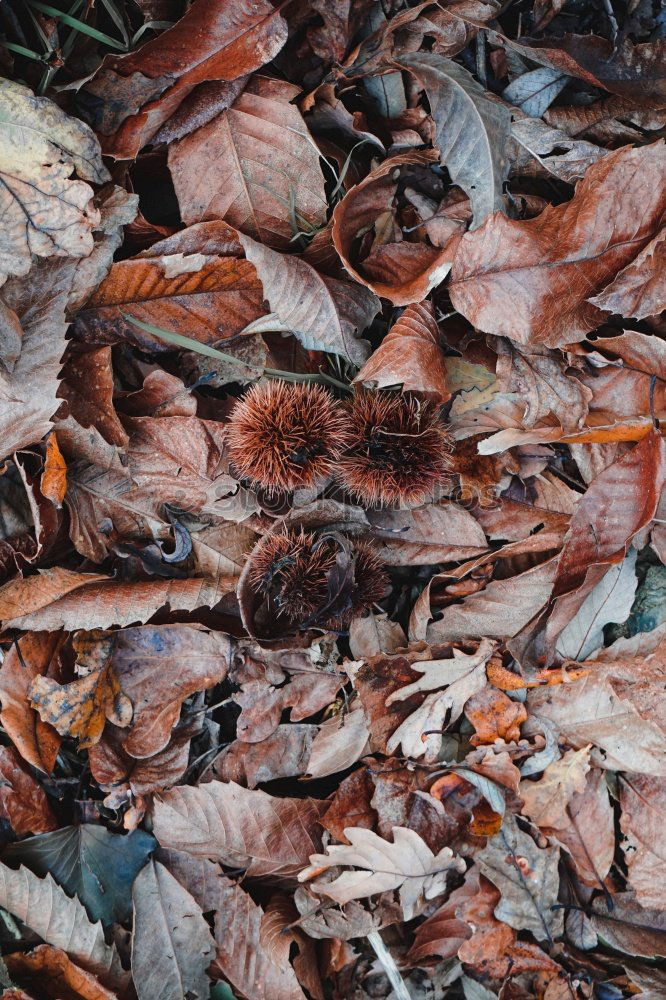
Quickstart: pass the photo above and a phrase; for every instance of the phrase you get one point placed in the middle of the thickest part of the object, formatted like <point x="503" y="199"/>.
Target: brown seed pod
<point x="296" y="572"/>
<point x="282" y="436"/>
<point x="397" y="451"/>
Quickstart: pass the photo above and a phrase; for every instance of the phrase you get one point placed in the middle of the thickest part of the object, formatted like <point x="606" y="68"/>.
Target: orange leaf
<point x="54" y="476"/>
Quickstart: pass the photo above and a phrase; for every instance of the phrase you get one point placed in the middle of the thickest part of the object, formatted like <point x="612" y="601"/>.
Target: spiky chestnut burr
<point x="397" y="448"/>
<point x="294" y="569"/>
<point x="282" y="436"/>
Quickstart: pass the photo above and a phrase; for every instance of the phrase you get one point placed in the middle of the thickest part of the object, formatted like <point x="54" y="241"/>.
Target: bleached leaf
<point x="407" y="864"/>
<point x="610" y="601"/>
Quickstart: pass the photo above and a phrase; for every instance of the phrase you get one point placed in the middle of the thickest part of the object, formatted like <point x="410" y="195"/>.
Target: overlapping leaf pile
<point x="335" y="733"/>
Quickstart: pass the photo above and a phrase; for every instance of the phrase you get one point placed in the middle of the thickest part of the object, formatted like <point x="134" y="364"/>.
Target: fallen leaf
<point x="494" y="717"/>
<point x="507" y="274"/>
<point x="30" y="656"/>
<point x="255" y="166"/>
<point x="324" y="314"/>
<point x="44" y="211"/>
<point x="407" y="864"/>
<point x="642" y="799"/>
<point x="410" y="355"/>
<point x="89" y="862"/>
<point x="283" y="754"/>
<point x="240" y="828"/>
<point x="527" y="878"/>
<point x="609" y="601"/>
<point x="61" y="922"/>
<point x="546" y="801"/>
<point x="589" y="835"/>
<point x="639" y="289"/>
<point x="340" y="742"/>
<point x="23" y="801"/>
<point x="49" y="966"/>
<point x="54" y="477"/>
<point x="470" y="130"/>
<point x="629" y="927"/>
<point x="544" y="386"/>
<point x="134" y="94"/>
<point x="172" y="945"/>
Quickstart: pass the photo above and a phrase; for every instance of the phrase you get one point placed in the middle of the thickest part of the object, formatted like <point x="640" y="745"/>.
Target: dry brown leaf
<point x="507" y="274"/>
<point x="407" y="864"/>
<point x="401" y="272"/>
<point x="61" y="922"/>
<point x="28" y="389"/>
<point x="628" y="926"/>
<point x="640" y="288"/>
<point x="255" y="166"/>
<point x="541" y="380"/>
<point x="589" y="835"/>
<point x="325" y="314"/>
<point x="134" y="94"/>
<point x="462" y="676"/>
<point x="528" y="880"/>
<point x="546" y="801"/>
<point x="172" y="945"/>
<point x="643" y="802"/>
<point x="88" y="388"/>
<point x="44" y="212"/>
<point x="619" y="502"/>
<point x="340" y="742"/>
<point x="80" y="709"/>
<point x="30" y="656"/>
<point x="238" y="827"/>
<point x="283" y="754"/>
<point x="23" y="801"/>
<point x="204" y="296"/>
<point x="410" y="355"/>
<point x="494" y="716"/>
<point x="50" y="967"/>
<point x="53" y="484"/>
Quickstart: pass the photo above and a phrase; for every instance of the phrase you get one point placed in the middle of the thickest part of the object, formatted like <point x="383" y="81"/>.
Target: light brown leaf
<point x="410" y="355"/>
<point x="630" y="927"/>
<point x="340" y="742"/>
<point x="643" y="823"/>
<point x="325" y="314"/>
<point x="589" y="835"/>
<point x="255" y="166"/>
<point x="44" y="212"/>
<point x="133" y="95"/>
<point x="461" y="676"/>
<point x="238" y="827"/>
<point x="407" y="864"/>
<point x="544" y="385"/>
<point x="640" y="288"/>
<point x="30" y="656"/>
<point x="508" y="274"/>
<point x="60" y="598"/>
<point x="28" y="388"/>
<point x="88" y="388"/>
<point x="172" y="945"/>
<point x="62" y="922"/>
<point x="283" y="754"/>
<point x="547" y="800"/>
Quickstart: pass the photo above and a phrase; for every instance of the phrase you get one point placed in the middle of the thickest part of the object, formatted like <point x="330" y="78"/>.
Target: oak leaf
<point x="407" y="864"/>
<point x="546" y="801"/>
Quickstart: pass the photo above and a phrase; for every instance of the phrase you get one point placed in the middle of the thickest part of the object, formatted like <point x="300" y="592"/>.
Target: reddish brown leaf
<point x="214" y="41"/>
<point x="54" y="477"/>
<point x="507" y="274"/>
<point x="23" y="801"/>
<point x="50" y="967"/>
<point x="255" y="166"/>
<point x="29" y="657"/>
<point x="410" y="355"/>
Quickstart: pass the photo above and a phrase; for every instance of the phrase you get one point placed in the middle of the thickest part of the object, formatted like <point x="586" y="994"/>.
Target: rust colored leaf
<point x="401" y="272"/>
<point x="410" y="355"/>
<point x="88" y="388"/>
<point x="23" y="801"/>
<point x="255" y="166"/>
<point x="619" y="502"/>
<point x="202" y="296"/>
<point x="240" y="828"/>
<point x="54" y="477"/>
<point x="133" y="95"/>
<point x="81" y="708"/>
<point x="60" y="598"/>
<point x="494" y="716"/>
<point x="31" y="656"/>
<point x="640" y="289"/>
<point x="507" y="275"/>
<point x="51" y="966"/>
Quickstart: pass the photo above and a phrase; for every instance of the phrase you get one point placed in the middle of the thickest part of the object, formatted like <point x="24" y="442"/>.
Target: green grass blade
<point x="81" y="26"/>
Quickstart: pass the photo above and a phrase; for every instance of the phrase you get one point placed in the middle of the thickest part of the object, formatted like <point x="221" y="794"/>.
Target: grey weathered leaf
<point x="610" y="601"/>
<point x="527" y="878"/>
<point x="471" y="131"/>
<point x="535" y="91"/>
<point x="172" y="945"/>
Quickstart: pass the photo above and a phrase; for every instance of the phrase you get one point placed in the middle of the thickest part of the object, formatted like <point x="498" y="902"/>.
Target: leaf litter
<point x="332" y="546"/>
